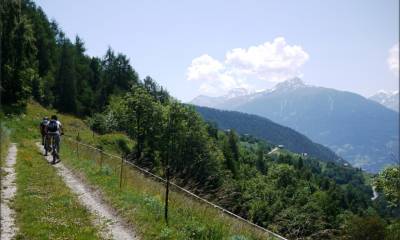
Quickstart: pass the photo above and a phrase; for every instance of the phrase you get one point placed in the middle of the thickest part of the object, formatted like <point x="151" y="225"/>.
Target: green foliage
<point x="388" y="182"/>
<point x="393" y="231"/>
<point x="18" y="51"/>
<point x="263" y="128"/>
<point x="367" y="227"/>
<point x="231" y="152"/>
<point x="98" y="123"/>
<point x="65" y="82"/>
<point x="162" y="127"/>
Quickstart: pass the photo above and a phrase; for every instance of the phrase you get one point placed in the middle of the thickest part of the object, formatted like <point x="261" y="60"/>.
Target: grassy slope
<point x="45" y="208"/>
<point x="140" y="201"/>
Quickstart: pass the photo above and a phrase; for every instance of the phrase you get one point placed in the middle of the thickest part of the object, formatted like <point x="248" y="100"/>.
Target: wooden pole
<point x="77" y="146"/>
<point x="120" y="175"/>
<point x="169" y="152"/>
<point x="166" y="197"/>
<point x="101" y="159"/>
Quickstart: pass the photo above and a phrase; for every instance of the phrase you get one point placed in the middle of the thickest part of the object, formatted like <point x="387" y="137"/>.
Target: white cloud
<point x="213" y="75"/>
<point x="273" y="61"/>
<point x="393" y="59"/>
<point x="276" y="61"/>
<point x="204" y="68"/>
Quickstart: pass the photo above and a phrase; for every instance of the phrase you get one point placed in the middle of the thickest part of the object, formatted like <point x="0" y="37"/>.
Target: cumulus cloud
<point x="273" y="61"/>
<point x="393" y="59"/>
<point x="213" y="75"/>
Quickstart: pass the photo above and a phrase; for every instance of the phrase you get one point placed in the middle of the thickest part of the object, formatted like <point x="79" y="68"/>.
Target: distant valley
<point x="358" y="129"/>
<point x="265" y="129"/>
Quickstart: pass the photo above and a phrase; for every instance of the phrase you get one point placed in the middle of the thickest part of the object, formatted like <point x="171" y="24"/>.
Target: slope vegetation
<point x="140" y="202"/>
<point x="265" y="129"/>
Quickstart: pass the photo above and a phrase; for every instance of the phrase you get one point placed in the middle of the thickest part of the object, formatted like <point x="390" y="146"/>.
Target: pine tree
<point x="260" y="163"/>
<point x="82" y="68"/>
<point x="231" y="152"/>
<point x="66" y="80"/>
<point x="18" y="63"/>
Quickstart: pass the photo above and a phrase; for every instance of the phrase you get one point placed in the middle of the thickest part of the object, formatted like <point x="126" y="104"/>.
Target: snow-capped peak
<point x="291" y="84"/>
<point x="389" y="99"/>
<point x="237" y="92"/>
<point x="384" y="93"/>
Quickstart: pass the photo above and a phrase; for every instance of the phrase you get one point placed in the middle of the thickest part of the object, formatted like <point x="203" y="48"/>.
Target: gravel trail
<point x="8" y="190"/>
<point x="112" y="225"/>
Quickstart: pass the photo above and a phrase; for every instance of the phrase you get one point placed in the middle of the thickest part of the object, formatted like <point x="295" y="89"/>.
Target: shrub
<point x="98" y="123"/>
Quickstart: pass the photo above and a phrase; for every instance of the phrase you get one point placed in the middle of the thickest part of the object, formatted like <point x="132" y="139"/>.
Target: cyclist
<point x="42" y="128"/>
<point x="54" y="130"/>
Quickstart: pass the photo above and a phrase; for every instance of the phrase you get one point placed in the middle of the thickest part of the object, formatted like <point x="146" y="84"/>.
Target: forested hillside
<point x="301" y="198"/>
<point x="265" y="129"/>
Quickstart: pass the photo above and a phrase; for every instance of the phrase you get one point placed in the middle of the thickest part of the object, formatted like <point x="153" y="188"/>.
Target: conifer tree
<point x="66" y="80"/>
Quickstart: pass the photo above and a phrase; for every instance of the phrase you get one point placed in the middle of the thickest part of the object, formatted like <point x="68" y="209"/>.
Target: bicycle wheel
<point x="54" y="150"/>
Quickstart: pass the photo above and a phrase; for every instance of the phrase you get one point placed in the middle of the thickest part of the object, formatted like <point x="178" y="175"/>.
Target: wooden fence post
<point x="166" y="197"/>
<point x="101" y="159"/>
<point x="77" y="146"/>
<point x="120" y="175"/>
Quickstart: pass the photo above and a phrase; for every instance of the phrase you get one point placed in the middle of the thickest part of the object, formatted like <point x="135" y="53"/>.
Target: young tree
<point x="260" y="162"/>
<point x="388" y="182"/>
<point x="231" y="152"/>
<point x="143" y="111"/>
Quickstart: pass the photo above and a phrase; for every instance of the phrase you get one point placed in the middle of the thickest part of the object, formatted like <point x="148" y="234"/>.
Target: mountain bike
<point x="46" y="145"/>
<point x="54" y="148"/>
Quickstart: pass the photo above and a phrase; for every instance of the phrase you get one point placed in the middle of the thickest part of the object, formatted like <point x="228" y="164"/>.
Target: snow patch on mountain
<point x="387" y="99"/>
<point x="244" y="95"/>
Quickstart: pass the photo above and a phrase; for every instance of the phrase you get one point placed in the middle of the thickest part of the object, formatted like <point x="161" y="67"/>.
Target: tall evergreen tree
<point x="261" y="164"/>
<point x="18" y="65"/>
<point x="83" y="71"/>
<point x="231" y="152"/>
<point x="66" y="100"/>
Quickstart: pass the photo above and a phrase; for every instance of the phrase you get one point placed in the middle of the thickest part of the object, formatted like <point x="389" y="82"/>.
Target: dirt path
<point x="376" y="195"/>
<point x="113" y="226"/>
<point x="9" y="188"/>
<point x="273" y="150"/>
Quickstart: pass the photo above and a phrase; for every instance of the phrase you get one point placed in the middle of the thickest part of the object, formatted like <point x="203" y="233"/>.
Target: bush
<point x="368" y="227"/>
<point x="393" y="231"/>
<point x="98" y="123"/>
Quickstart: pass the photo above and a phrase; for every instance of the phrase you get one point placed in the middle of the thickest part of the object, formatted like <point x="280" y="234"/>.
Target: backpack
<point x="43" y="125"/>
<point x="52" y="126"/>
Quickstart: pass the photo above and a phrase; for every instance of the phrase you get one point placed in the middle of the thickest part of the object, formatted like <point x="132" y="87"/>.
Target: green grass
<point x="45" y="207"/>
<point x="140" y="202"/>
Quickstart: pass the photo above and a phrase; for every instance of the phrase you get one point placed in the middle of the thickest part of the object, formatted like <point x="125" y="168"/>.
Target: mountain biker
<point x="42" y="128"/>
<point x="54" y="130"/>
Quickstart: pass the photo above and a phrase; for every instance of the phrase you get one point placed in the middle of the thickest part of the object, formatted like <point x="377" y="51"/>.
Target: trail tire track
<point x="113" y="227"/>
<point x="8" y="190"/>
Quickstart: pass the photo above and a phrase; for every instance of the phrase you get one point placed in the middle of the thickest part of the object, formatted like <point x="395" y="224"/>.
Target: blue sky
<point x="188" y="46"/>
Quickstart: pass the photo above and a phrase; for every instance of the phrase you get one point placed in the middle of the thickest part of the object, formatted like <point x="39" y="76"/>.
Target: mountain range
<point x="358" y="129"/>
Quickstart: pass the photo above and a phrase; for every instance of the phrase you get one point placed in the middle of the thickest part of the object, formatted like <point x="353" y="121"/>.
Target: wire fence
<point x="121" y="167"/>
